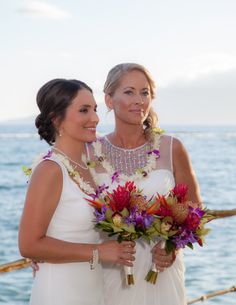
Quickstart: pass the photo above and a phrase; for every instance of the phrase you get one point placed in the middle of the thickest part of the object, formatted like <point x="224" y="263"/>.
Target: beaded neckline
<point x="126" y="149"/>
<point x="150" y="163"/>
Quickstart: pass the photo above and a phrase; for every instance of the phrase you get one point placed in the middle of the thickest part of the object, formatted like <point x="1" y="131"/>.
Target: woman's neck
<point x="73" y="149"/>
<point x="129" y="138"/>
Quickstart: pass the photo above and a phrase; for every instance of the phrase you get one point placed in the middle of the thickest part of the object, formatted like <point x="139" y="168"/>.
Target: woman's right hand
<point x="35" y="267"/>
<point x="115" y="252"/>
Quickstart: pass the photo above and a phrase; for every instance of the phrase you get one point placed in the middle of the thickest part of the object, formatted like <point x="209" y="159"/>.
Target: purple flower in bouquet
<point x="184" y="238"/>
<point x="100" y="189"/>
<point x="140" y="219"/>
<point x="100" y="214"/>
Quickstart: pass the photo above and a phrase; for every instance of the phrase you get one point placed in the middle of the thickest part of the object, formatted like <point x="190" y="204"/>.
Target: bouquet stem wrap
<point x="129" y="275"/>
<point x="152" y="274"/>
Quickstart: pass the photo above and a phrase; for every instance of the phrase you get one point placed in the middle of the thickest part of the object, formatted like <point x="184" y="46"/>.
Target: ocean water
<point x="213" y="154"/>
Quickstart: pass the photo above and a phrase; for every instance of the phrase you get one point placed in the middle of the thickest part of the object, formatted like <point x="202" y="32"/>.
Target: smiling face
<point x="80" y="119"/>
<point x="131" y="101"/>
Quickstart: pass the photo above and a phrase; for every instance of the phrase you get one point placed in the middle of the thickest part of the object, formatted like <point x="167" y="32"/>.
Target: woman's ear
<point x="57" y="124"/>
<point x="108" y="101"/>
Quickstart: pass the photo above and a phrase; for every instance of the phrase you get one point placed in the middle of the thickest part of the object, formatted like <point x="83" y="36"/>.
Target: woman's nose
<point x="139" y="100"/>
<point x="95" y="117"/>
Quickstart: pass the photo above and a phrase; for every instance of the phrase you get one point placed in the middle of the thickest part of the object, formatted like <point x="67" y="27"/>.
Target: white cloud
<point x="208" y="99"/>
<point x="195" y="67"/>
<point x="42" y="9"/>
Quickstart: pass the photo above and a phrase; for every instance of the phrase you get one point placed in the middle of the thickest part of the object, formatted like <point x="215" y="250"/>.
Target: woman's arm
<point x="42" y="198"/>
<point x="183" y="171"/>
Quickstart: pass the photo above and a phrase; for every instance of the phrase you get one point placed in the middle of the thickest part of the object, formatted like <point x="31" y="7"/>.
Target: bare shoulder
<point x="47" y="171"/>
<point x="178" y="146"/>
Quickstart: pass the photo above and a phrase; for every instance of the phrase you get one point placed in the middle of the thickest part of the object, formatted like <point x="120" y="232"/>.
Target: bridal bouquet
<point x="178" y="222"/>
<point x="124" y="212"/>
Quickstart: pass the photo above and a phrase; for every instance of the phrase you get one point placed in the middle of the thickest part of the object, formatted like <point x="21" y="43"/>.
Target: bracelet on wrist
<point x="94" y="260"/>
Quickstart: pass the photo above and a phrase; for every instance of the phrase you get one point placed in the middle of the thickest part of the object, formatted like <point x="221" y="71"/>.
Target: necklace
<point x="72" y="161"/>
<point x="74" y="174"/>
<point x="62" y="158"/>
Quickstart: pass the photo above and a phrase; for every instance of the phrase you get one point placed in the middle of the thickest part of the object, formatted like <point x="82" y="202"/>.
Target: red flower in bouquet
<point x="120" y="198"/>
<point x="193" y="219"/>
<point x="180" y="192"/>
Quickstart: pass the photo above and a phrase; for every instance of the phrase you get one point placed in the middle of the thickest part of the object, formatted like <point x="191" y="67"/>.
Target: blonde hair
<point x="113" y="81"/>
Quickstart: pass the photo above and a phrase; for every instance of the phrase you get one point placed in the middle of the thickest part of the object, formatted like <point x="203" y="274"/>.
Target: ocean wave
<point x="18" y="135"/>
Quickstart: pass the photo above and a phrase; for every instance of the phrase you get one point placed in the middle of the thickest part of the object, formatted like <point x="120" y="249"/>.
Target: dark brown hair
<point x="52" y="99"/>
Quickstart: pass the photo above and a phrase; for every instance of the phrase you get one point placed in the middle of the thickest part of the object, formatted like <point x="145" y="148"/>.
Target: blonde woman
<point x="127" y="154"/>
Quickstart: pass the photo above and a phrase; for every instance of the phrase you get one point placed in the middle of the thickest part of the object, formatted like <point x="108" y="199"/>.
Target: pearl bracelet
<point x="94" y="260"/>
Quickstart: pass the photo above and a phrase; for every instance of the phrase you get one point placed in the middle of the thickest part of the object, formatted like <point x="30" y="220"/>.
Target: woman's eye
<point x="128" y="92"/>
<point x="145" y="93"/>
<point x="84" y="110"/>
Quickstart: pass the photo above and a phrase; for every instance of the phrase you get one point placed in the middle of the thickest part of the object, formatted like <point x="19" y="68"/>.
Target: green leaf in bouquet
<point x="190" y="245"/>
<point x="108" y="215"/>
<point x="169" y="246"/>
<point x="116" y="229"/>
<point x="128" y="228"/>
<point x="147" y="238"/>
<point x="165" y="227"/>
<point x="203" y="231"/>
<point x="125" y="212"/>
<point x="151" y="230"/>
<point x="172" y="233"/>
<point x="105" y="226"/>
<point x="171" y="200"/>
<point x="157" y="224"/>
<point x="112" y="234"/>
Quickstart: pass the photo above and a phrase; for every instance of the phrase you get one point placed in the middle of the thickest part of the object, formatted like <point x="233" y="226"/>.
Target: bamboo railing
<point x="15" y="265"/>
<point x="213" y="295"/>
<point x="222" y="213"/>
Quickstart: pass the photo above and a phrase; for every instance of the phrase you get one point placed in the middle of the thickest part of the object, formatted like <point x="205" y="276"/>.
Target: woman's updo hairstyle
<point x="113" y="81"/>
<point x="52" y="99"/>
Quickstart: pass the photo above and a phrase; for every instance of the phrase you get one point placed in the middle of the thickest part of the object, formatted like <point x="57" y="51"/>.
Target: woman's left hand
<point x="161" y="258"/>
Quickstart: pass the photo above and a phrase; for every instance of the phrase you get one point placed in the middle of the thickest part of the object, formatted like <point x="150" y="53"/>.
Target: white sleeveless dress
<point x="169" y="288"/>
<point x="69" y="283"/>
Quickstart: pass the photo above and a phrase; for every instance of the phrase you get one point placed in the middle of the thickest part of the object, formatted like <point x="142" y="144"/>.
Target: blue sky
<point x="189" y="47"/>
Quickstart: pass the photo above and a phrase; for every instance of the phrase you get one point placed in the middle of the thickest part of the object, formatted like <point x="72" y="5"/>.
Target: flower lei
<point x="153" y="155"/>
<point x="74" y="174"/>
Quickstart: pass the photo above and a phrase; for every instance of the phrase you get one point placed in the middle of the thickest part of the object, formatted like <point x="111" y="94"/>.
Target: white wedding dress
<point x="70" y="283"/>
<point x="169" y="288"/>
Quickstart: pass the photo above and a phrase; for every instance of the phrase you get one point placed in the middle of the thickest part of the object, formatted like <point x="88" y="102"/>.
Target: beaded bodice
<point x="126" y="161"/>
